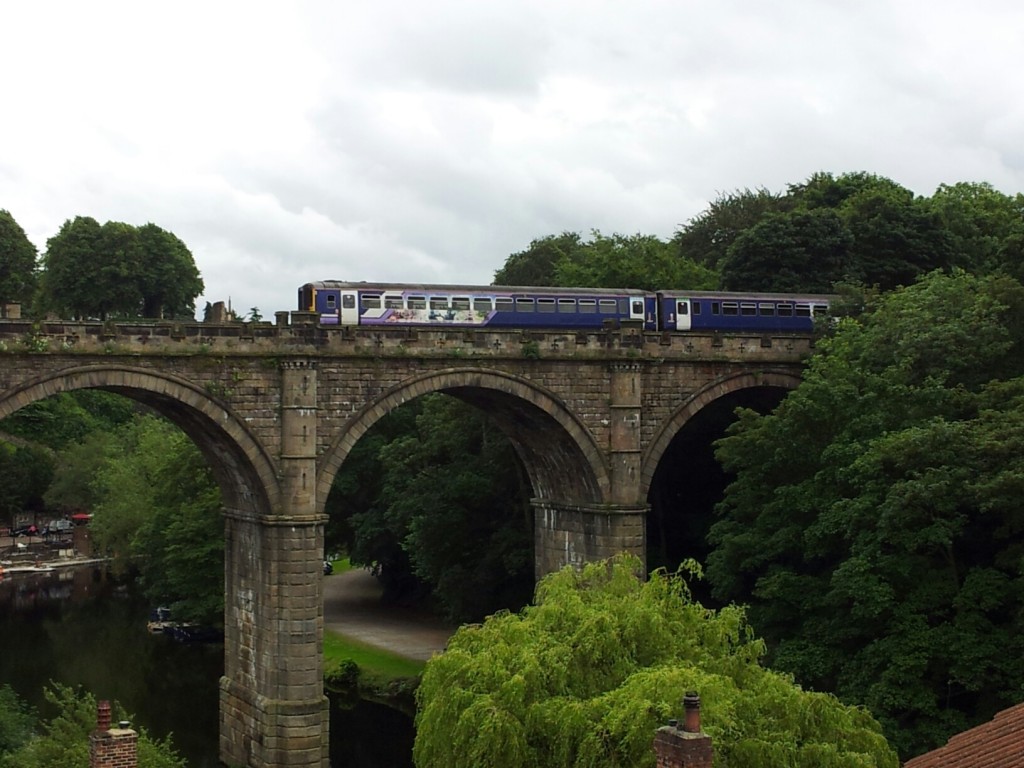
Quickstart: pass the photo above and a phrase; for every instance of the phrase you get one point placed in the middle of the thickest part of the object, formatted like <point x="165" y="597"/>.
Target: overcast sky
<point x="425" y="141"/>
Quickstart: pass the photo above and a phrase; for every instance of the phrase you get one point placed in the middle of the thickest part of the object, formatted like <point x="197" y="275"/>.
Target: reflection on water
<point x="81" y="628"/>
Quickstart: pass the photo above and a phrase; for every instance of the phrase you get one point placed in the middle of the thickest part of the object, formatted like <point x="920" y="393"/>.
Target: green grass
<point x="372" y="662"/>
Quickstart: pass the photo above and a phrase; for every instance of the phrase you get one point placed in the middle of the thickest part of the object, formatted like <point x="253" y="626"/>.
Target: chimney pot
<point x="691" y="707"/>
<point x="103" y="716"/>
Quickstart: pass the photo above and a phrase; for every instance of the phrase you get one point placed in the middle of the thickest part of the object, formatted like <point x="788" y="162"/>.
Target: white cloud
<point x="426" y="142"/>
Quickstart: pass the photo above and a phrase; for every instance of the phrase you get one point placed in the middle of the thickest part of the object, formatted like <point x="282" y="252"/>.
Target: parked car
<point x="25" y="530"/>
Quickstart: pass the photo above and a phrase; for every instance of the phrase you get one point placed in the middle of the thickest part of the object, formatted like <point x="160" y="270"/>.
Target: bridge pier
<point x="273" y="711"/>
<point x="572" y="534"/>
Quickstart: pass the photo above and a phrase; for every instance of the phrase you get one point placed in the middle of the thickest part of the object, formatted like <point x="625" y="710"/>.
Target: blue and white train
<point x="474" y="306"/>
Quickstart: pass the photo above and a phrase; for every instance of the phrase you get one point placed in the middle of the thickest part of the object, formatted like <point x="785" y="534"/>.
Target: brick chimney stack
<point x="112" y="747"/>
<point x="686" y="747"/>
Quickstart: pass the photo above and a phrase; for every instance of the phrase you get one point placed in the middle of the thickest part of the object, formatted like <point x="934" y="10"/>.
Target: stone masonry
<point x="276" y="408"/>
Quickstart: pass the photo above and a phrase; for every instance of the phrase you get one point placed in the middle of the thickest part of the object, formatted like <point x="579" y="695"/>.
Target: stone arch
<point x="559" y="453"/>
<point x="699" y="400"/>
<point x="244" y="472"/>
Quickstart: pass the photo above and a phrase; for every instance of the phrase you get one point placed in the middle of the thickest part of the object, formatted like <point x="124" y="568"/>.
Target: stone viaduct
<point x="276" y="408"/>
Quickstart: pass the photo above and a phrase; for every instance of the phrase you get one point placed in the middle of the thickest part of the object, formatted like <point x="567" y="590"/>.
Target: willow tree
<point x="586" y="675"/>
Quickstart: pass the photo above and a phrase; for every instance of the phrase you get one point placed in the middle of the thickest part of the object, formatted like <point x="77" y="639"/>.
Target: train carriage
<point x="403" y="304"/>
<point x="724" y="311"/>
<point x="406" y="304"/>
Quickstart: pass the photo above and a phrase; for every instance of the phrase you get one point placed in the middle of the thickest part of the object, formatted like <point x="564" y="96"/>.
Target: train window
<point x="785" y="310"/>
<point x="348" y="301"/>
<point x="715" y="308"/>
<point x="524" y="304"/>
<point x="730" y="307"/>
<point x="696" y="307"/>
<point x="765" y="309"/>
<point x="608" y="306"/>
<point x="567" y="305"/>
<point x="820" y="310"/>
<point x="748" y="308"/>
<point x="370" y="301"/>
<point x="682" y="308"/>
<point x="545" y="305"/>
<point x="460" y="302"/>
<point x="416" y="302"/>
<point x="638" y="307"/>
<point x="393" y="302"/>
<point x="482" y="303"/>
<point x="504" y="304"/>
<point x="588" y="306"/>
<point x="332" y="301"/>
<point x="803" y="310"/>
<point x="439" y="302"/>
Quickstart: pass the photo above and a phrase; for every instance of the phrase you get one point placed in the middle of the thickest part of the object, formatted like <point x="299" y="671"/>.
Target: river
<point x="81" y="628"/>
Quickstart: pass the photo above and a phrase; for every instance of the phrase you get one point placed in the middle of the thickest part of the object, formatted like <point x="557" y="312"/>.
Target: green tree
<point x="159" y="509"/>
<point x="631" y="261"/>
<point x="17" y="262"/>
<point x="168" y="279"/>
<point x="586" y="675"/>
<point x="17" y="721"/>
<point x="118" y="270"/>
<point x="25" y="474"/>
<point x="444" y="510"/>
<point x="706" y="238"/>
<point x="796" y="251"/>
<point x="986" y="226"/>
<point x="615" y="261"/>
<point x="874" y="524"/>
<point x="536" y="265"/>
<point x="70" y="267"/>
<point x="64" y="738"/>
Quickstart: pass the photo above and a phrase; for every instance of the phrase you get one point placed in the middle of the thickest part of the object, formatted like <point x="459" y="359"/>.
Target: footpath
<point x="352" y="608"/>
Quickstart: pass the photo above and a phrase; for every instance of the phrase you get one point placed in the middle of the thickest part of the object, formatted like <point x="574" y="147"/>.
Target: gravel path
<point x="352" y="608"/>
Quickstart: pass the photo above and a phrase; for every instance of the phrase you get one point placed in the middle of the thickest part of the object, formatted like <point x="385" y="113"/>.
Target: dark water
<point x="81" y="628"/>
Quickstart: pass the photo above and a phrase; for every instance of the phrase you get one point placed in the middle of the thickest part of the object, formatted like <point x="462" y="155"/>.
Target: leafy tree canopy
<point x="616" y="261"/>
<point x="586" y="675"/>
<point x="63" y="740"/>
<point x="436" y="501"/>
<point x="118" y="270"/>
<point x="17" y="721"/>
<point x="17" y="262"/>
<point x="158" y="507"/>
<point x="874" y="525"/>
<point x="855" y="228"/>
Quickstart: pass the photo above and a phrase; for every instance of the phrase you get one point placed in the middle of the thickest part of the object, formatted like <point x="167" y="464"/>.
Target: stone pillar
<point x="624" y="441"/>
<point x="273" y="710"/>
<point x="573" y="534"/>
<point x="686" y="747"/>
<point x="112" y="747"/>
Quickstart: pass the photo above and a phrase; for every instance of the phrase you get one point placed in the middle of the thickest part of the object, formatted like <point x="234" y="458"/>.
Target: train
<point x="343" y="303"/>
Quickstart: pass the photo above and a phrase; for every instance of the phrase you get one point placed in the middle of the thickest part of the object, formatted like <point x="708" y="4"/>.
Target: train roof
<point x="485" y="289"/>
<point x="563" y="290"/>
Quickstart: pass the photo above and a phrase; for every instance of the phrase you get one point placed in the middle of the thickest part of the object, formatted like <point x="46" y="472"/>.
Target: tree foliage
<point x="159" y="508"/>
<point x="17" y="721"/>
<point x="874" y="525"/>
<point x="63" y="739"/>
<point x="586" y="675"/>
<point x="17" y="262"/>
<point x="615" y="261"/>
<point x="118" y="270"/>
<point x="436" y="503"/>
<point x="855" y="228"/>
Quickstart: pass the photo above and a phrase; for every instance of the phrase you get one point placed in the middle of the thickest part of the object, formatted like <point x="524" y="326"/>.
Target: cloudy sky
<point x="426" y="140"/>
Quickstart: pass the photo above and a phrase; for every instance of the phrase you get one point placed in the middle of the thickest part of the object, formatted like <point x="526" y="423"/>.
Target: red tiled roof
<point x="998" y="743"/>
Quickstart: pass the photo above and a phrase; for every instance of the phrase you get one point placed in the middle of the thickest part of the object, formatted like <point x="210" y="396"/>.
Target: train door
<point x="636" y="310"/>
<point x="682" y="312"/>
<point x="349" y="308"/>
